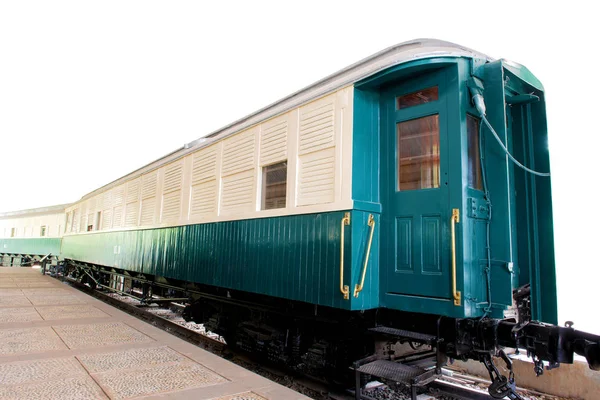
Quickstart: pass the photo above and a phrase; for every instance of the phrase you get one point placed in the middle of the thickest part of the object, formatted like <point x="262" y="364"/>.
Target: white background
<point x="92" y="90"/>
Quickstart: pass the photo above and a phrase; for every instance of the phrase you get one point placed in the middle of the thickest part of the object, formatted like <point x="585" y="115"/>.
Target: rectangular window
<point x="13" y="232"/>
<point x="418" y="153"/>
<point x="42" y="231"/>
<point x="474" y="174"/>
<point x="274" y="182"/>
<point x="414" y="99"/>
<point x="90" y="228"/>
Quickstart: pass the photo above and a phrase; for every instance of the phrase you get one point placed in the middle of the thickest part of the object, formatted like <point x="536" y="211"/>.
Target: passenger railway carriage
<point x="381" y="196"/>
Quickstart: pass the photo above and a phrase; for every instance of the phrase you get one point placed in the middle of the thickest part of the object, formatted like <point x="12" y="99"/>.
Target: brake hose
<point x="480" y="105"/>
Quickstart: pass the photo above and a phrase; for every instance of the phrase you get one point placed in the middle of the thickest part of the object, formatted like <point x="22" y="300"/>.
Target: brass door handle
<point x="455" y="219"/>
<point x="345" y="289"/>
<point x="359" y="287"/>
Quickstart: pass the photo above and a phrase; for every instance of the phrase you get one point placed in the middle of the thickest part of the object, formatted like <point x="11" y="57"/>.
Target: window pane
<point x="418" y="153"/>
<point x="474" y="175"/>
<point x="416" y="98"/>
<point x="274" y="186"/>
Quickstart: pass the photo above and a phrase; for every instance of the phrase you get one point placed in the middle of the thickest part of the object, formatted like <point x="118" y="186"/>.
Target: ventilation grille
<point x="172" y="177"/>
<point x="131" y="214"/>
<point x="238" y="153"/>
<point x="106" y="219"/>
<point x="118" y="195"/>
<point x="316" y="127"/>
<point x="204" y="165"/>
<point x="317" y="178"/>
<point x="117" y="216"/>
<point x="237" y="192"/>
<point x="133" y="191"/>
<point x="149" y="185"/>
<point x="148" y="207"/>
<point x="75" y="220"/>
<point x="107" y="200"/>
<point x="273" y="142"/>
<point x="171" y="205"/>
<point x="203" y="199"/>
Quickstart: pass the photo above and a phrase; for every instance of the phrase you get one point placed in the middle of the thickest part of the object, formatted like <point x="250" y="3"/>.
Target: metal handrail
<point x="345" y="289"/>
<point x="454" y="219"/>
<point x="359" y="287"/>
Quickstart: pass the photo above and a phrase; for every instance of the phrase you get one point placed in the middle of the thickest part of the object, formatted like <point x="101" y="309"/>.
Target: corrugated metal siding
<point x="294" y="257"/>
<point x="33" y="246"/>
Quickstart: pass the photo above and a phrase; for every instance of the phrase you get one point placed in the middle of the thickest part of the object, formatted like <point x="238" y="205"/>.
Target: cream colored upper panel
<point x="224" y="181"/>
<point x="47" y="225"/>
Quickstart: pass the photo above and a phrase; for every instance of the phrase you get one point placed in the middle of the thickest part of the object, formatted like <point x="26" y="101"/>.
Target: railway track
<point x="440" y="389"/>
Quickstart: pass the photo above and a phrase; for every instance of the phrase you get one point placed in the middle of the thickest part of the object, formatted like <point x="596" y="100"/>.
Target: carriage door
<point x="415" y="195"/>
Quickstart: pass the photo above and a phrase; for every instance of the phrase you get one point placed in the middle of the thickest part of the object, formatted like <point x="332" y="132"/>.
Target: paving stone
<point x="46" y="291"/>
<point x="20" y="314"/>
<point x="242" y="396"/>
<point x="72" y="388"/>
<point x="98" y="335"/>
<point x="131" y="359"/>
<point x="11" y="292"/>
<point x="43" y="300"/>
<point x="69" y="312"/>
<point x="34" y="284"/>
<point x="39" y="370"/>
<point x="29" y="340"/>
<point x="122" y="384"/>
<point x="14" y="301"/>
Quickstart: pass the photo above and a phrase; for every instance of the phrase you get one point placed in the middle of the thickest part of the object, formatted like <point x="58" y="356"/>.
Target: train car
<point x="28" y="236"/>
<point x="407" y="195"/>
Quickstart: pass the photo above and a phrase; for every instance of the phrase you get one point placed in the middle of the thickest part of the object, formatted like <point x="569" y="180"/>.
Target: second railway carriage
<point x="364" y="190"/>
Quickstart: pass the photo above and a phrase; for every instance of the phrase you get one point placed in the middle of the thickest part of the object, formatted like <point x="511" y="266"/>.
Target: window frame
<point x="263" y="191"/>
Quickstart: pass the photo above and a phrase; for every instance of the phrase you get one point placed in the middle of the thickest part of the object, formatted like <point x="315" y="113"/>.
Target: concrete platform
<point x="59" y="343"/>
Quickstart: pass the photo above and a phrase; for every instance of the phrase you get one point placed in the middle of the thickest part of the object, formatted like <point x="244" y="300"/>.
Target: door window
<point x="418" y="153"/>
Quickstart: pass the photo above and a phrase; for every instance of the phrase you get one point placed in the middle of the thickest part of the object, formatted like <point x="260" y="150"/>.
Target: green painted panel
<point x="32" y="246"/>
<point x="294" y="257"/>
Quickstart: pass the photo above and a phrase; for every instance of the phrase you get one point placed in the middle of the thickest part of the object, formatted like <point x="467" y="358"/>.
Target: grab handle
<point x="455" y="219"/>
<point x="343" y="288"/>
<point x="359" y="287"/>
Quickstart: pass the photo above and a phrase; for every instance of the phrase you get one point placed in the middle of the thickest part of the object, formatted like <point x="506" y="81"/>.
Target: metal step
<point x="401" y="333"/>
<point x="391" y="371"/>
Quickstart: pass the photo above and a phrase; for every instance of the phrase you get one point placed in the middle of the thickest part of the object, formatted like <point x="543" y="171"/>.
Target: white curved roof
<point x="394" y="55"/>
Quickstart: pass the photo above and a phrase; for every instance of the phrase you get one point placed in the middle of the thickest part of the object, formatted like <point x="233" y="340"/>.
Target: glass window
<point x="274" y="186"/>
<point x="13" y="232"/>
<point x="474" y="175"/>
<point x="416" y="98"/>
<point x="42" y="231"/>
<point x="418" y="142"/>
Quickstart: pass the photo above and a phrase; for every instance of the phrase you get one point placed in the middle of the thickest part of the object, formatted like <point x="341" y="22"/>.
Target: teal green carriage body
<point x="409" y="268"/>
